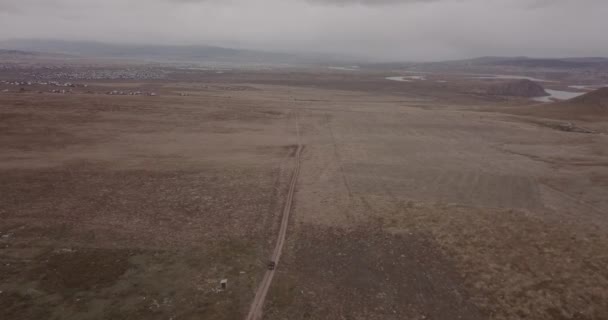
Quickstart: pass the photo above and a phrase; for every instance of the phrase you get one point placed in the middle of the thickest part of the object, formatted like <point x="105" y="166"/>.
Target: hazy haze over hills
<point x="389" y="30"/>
<point x="160" y="53"/>
<point x="212" y="54"/>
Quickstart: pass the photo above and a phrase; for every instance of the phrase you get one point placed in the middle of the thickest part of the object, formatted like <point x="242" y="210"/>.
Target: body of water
<point x="589" y="87"/>
<point x="511" y="77"/>
<point x="353" y="68"/>
<point x="558" y="95"/>
<point x="406" y="78"/>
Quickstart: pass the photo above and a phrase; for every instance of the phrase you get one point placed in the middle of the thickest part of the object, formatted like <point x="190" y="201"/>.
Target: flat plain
<point x="414" y="201"/>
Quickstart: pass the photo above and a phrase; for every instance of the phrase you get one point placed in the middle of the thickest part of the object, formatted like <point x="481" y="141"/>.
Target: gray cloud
<point x="367" y="2"/>
<point x="381" y="29"/>
<point x="331" y="2"/>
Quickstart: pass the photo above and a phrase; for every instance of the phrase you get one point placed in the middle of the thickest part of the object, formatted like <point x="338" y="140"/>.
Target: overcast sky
<point x="381" y="29"/>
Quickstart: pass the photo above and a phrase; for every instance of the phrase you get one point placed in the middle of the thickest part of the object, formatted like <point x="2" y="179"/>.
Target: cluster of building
<point x="105" y="74"/>
<point x="130" y="93"/>
<point x="83" y="72"/>
<point x="22" y="89"/>
<point x="23" y="84"/>
<point x="42" y="83"/>
<point x="62" y="91"/>
<point x="63" y="79"/>
<point x="111" y="93"/>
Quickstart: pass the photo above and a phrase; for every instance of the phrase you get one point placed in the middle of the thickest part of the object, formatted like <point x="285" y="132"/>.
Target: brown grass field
<point x="413" y="202"/>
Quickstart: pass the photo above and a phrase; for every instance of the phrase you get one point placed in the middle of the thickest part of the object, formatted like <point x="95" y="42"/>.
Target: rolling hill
<point x="591" y="106"/>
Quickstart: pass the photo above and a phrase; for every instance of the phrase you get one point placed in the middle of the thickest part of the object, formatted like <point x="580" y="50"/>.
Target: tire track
<point x="255" y="312"/>
<point x="338" y="157"/>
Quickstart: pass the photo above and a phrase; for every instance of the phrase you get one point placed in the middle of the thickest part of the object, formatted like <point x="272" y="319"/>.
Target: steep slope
<point x="591" y="106"/>
<point x="517" y="88"/>
<point x="596" y="101"/>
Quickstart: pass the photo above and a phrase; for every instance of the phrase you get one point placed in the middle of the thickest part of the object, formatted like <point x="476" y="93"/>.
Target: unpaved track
<point x="258" y="302"/>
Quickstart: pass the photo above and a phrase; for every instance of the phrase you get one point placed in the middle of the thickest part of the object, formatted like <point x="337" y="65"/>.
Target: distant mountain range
<point x="540" y="62"/>
<point x="478" y="64"/>
<point x="214" y="54"/>
<point x="163" y="53"/>
<point x="11" y="54"/>
<point x="16" y="53"/>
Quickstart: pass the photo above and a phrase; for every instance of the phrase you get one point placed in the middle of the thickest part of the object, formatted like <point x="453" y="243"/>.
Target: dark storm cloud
<point x="381" y="29"/>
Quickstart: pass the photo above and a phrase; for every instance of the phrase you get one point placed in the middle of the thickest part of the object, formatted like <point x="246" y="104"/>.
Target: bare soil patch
<point x="372" y="275"/>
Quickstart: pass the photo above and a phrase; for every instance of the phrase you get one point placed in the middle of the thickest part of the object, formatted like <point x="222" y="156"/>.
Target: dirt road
<point x="258" y="302"/>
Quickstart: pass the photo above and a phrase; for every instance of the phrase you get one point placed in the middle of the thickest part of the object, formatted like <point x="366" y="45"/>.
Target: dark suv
<point x="272" y="265"/>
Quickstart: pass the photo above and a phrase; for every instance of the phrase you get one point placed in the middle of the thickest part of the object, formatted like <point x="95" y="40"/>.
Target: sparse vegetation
<point x="416" y="200"/>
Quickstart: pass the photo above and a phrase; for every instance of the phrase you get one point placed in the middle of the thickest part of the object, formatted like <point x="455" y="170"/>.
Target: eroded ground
<point x="408" y="206"/>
